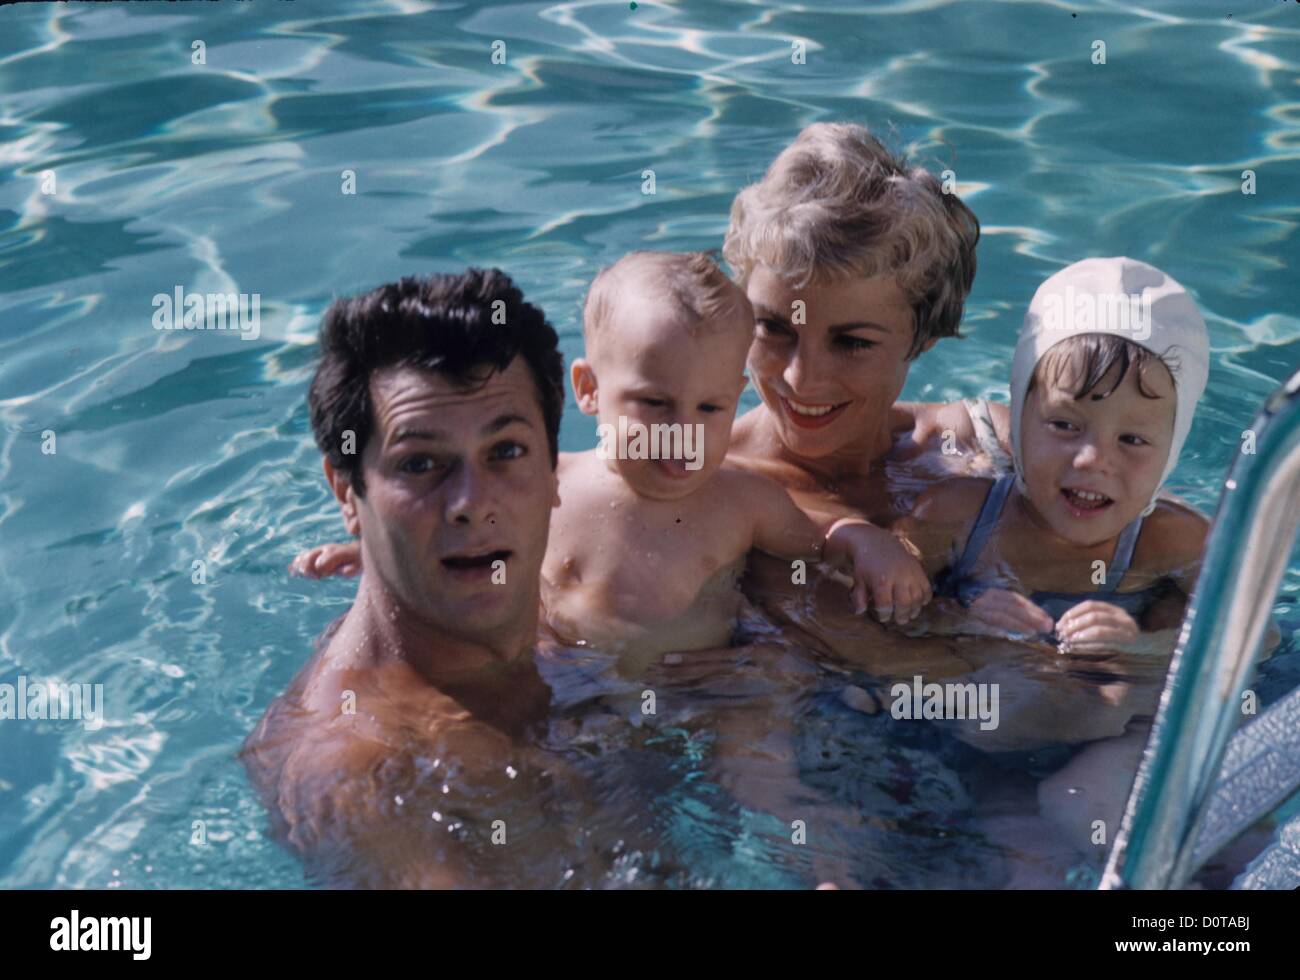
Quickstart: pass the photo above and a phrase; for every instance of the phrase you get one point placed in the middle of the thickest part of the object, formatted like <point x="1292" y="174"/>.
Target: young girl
<point x="1076" y="546"/>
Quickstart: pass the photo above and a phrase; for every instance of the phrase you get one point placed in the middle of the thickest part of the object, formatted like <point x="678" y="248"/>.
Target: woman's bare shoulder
<point x="744" y="432"/>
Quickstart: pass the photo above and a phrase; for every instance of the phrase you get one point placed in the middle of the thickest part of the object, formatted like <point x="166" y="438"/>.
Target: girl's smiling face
<point x="1093" y="461"/>
<point x="829" y="381"/>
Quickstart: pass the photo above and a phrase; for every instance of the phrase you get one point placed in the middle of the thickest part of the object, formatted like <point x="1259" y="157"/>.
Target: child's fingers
<point x="1011" y="612"/>
<point x="1098" y="641"/>
<point x="917" y="595"/>
<point x="859" y="596"/>
<point x="882" y="597"/>
<point x="1089" y="616"/>
<point x="1030" y="614"/>
<point x="1098" y="633"/>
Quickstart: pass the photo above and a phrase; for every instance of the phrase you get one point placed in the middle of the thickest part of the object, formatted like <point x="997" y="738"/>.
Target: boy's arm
<point x="780" y="528"/>
<point x="884" y="571"/>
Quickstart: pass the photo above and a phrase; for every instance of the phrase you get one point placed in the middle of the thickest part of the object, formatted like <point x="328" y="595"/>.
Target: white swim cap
<point x="1128" y="298"/>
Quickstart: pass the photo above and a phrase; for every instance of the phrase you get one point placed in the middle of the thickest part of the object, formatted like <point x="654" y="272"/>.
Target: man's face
<point x="832" y="379"/>
<point x="459" y="491"/>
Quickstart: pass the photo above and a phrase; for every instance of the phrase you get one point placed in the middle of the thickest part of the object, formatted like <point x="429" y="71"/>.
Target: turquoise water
<point x="173" y="448"/>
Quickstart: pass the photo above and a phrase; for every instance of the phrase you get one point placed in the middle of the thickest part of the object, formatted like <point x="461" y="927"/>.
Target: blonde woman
<point x="856" y="264"/>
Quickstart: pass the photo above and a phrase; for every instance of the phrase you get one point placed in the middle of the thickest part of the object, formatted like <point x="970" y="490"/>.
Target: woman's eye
<point x="509" y="450"/>
<point x="653" y="402"/>
<point x="1135" y="440"/>
<point x="1061" y="425"/>
<point x="771" y="327"/>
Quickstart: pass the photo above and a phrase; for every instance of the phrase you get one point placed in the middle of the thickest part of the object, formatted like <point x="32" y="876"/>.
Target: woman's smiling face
<point x="829" y="371"/>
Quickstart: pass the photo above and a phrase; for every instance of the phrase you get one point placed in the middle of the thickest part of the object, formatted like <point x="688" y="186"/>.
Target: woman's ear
<point x="583" y="379"/>
<point x="345" y="493"/>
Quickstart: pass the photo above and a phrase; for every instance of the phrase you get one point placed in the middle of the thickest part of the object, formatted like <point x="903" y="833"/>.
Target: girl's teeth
<point x="1087" y="495"/>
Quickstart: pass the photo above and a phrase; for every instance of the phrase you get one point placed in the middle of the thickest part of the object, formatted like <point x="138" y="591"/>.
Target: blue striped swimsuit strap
<point x="984" y="525"/>
<point x="1124" y="549"/>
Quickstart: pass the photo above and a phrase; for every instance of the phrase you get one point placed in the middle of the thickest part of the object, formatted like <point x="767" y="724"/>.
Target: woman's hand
<point x="327" y="560"/>
<point x="1096" y="627"/>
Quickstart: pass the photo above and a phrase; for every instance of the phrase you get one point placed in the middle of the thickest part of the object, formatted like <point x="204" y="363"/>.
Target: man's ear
<point x="341" y="484"/>
<point x="583" y="378"/>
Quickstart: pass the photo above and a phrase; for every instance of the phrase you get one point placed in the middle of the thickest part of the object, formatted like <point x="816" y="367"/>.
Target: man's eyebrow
<point x="402" y="435"/>
<point x="861" y="325"/>
<point x="504" y="420"/>
<point x="436" y="435"/>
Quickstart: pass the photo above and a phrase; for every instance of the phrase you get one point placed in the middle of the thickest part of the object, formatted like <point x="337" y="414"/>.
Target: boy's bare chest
<point x="674" y="547"/>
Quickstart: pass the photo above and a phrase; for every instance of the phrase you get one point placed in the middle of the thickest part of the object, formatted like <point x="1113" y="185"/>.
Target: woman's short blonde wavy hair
<point x="836" y="203"/>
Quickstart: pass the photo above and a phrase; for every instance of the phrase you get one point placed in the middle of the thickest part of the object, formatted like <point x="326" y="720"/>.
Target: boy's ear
<point x="583" y="379"/>
<point x="928" y="344"/>
<point x="341" y="484"/>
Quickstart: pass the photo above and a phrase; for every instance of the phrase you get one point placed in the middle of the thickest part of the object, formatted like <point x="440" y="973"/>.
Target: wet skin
<point x="433" y="665"/>
<point x="868" y="455"/>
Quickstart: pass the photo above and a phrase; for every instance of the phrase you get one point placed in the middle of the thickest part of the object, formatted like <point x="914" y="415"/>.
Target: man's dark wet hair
<point x="463" y="326"/>
<point x="1088" y="357"/>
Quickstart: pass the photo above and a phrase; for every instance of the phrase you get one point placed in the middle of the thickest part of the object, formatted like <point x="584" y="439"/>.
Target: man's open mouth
<point x="1085" y="501"/>
<point x="477" y="562"/>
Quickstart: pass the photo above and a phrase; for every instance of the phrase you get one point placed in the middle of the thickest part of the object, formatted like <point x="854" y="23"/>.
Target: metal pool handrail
<point x="1218" y="647"/>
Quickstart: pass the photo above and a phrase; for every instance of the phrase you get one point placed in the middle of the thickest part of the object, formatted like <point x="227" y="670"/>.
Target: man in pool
<point x="398" y="757"/>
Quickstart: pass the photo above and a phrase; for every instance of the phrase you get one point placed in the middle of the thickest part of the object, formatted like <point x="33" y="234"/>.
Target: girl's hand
<point x="1095" y="626"/>
<point x="327" y="560"/>
<point x="1007" y="613"/>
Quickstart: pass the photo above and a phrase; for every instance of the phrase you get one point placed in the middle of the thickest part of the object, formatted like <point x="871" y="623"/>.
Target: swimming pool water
<point x="180" y="447"/>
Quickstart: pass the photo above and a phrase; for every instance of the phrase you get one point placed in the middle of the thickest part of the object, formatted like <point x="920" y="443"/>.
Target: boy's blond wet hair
<point x="692" y="281"/>
<point x="836" y="203"/>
